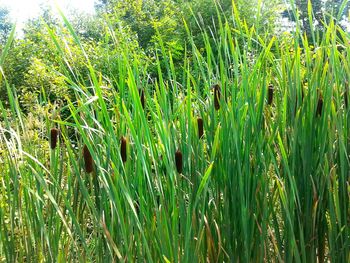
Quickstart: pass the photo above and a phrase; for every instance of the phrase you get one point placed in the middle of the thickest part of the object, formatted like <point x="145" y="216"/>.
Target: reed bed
<point x="261" y="176"/>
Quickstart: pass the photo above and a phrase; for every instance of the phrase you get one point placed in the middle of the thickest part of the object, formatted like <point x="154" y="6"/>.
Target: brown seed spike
<point x="54" y="137"/>
<point x="319" y="106"/>
<point x="142" y="97"/>
<point x="178" y="161"/>
<point x="302" y="94"/>
<point x="200" y="128"/>
<point x="270" y="94"/>
<point x="89" y="164"/>
<point x="137" y="207"/>
<point x="217" y="95"/>
<point x="123" y="146"/>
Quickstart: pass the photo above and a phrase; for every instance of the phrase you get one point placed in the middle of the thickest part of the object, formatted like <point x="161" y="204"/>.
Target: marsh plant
<point x="135" y="175"/>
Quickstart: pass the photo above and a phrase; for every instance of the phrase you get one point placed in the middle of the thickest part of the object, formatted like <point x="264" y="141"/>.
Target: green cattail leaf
<point x="204" y="180"/>
<point x="215" y="143"/>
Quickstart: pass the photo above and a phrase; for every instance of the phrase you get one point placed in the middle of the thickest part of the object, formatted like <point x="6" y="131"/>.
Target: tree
<point x="88" y="27"/>
<point x="6" y="24"/>
<point x="148" y="19"/>
<point x="323" y="11"/>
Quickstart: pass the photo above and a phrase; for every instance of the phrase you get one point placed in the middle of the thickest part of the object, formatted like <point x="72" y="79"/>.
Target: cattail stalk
<point x="123" y="146"/>
<point x="297" y="100"/>
<point x="178" y="161"/>
<point x="142" y="97"/>
<point x="302" y="94"/>
<point x="346" y="97"/>
<point x="54" y="137"/>
<point x="200" y="127"/>
<point x="137" y="207"/>
<point x="89" y="163"/>
<point x="270" y="94"/>
<point x="319" y="106"/>
<point x="217" y="95"/>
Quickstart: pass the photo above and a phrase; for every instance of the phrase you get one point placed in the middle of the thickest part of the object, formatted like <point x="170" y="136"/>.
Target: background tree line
<point x="145" y="27"/>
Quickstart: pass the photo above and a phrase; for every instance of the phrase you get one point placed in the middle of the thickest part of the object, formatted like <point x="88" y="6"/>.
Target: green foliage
<point x="88" y="27"/>
<point x="322" y="13"/>
<point x="268" y="181"/>
<point x="42" y="80"/>
<point x="5" y="25"/>
<point x="146" y="18"/>
<point x="22" y="64"/>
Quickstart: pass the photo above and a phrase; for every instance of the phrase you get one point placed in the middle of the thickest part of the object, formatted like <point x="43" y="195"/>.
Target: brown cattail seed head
<point x="217" y="95"/>
<point x="123" y="146"/>
<point x="270" y="94"/>
<point x="142" y="97"/>
<point x="137" y="207"/>
<point x="178" y="161"/>
<point x="200" y="127"/>
<point x="319" y="106"/>
<point x="54" y="137"/>
<point x="89" y="164"/>
<point x="302" y="94"/>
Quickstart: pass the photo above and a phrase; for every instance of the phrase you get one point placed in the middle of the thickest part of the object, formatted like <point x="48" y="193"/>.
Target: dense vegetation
<point x="176" y="131"/>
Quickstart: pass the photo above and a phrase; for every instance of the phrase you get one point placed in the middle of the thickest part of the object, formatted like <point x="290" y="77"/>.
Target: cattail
<point x="217" y="95"/>
<point x="142" y="97"/>
<point x="319" y="106"/>
<point x="123" y="145"/>
<point x="297" y="100"/>
<point x="346" y="97"/>
<point x="178" y="161"/>
<point x="200" y="127"/>
<point x="302" y="94"/>
<point x="54" y="137"/>
<point x="88" y="160"/>
<point x="137" y="207"/>
<point x="270" y="94"/>
<point x="158" y="200"/>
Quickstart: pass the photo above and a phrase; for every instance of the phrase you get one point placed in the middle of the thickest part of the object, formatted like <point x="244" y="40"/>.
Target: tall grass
<point x="133" y="178"/>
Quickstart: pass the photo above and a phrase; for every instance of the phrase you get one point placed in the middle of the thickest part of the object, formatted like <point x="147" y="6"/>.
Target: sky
<point x="21" y="10"/>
